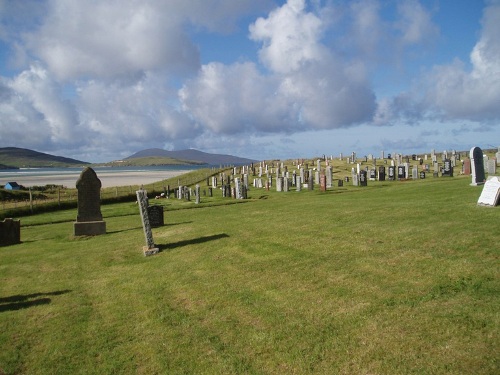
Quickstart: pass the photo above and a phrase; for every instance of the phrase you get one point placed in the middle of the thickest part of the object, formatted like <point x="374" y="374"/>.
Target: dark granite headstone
<point x="447" y="168"/>
<point x="401" y="172"/>
<point x="363" y="180"/>
<point x="477" y="166"/>
<point x="155" y="214"/>
<point x="89" y="218"/>
<point x="10" y="232"/>
<point x="422" y="174"/>
<point x="340" y="183"/>
<point x="381" y="173"/>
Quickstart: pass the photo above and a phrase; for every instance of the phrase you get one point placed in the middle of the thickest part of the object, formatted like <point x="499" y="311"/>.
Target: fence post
<point x="31" y="201"/>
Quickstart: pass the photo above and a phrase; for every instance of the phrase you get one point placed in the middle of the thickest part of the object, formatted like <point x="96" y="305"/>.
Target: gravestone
<point x="373" y="174"/>
<point x="340" y="183"/>
<point x="286" y="184"/>
<point x="155" y="214"/>
<point x="492" y="166"/>
<point x="422" y="174"/>
<point x="197" y="192"/>
<point x="392" y="173"/>
<point x="381" y="173"/>
<point x="491" y="192"/>
<point x="310" y="182"/>
<point x="414" y="173"/>
<point x="329" y="176"/>
<point x="363" y="180"/>
<point x="322" y="182"/>
<point x="447" y="168"/>
<point x="401" y="172"/>
<point x="89" y="218"/>
<point x="142" y="200"/>
<point x="466" y="167"/>
<point x="10" y="232"/>
<point x="279" y="184"/>
<point x="477" y="166"/>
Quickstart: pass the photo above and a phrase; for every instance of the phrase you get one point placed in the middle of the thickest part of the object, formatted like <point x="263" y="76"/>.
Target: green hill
<point x="150" y="161"/>
<point x="14" y="157"/>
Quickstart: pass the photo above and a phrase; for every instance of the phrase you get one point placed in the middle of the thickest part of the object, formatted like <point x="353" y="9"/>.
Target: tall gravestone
<point x="477" y="166"/>
<point x="89" y="218"/>
<point x="142" y="200"/>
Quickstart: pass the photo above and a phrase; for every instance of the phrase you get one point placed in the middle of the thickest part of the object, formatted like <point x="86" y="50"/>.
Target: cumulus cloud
<point x="474" y="94"/>
<point x="35" y="110"/>
<point x="290" y="37"/>
<point x="306" y="88"/>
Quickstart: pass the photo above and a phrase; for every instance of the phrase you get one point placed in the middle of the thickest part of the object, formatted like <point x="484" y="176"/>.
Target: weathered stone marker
<point x="10" y="232"/>
<point x="142" y="200"/>
<point x="89" y="218"/>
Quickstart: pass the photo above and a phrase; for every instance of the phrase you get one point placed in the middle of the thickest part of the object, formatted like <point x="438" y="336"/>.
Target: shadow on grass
<point x="122" y="230"/>
<point x="193" y="241"/>
<point x="23" y="301"/>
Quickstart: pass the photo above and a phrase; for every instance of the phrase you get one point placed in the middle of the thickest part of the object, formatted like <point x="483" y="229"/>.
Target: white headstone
<point x="491" y="192"/>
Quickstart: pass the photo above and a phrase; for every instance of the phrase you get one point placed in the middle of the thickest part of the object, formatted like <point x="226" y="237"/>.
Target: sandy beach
<point x="108" y="179"/>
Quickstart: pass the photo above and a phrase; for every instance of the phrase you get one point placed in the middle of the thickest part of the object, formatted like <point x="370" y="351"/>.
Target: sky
<point x="99" y="80"/>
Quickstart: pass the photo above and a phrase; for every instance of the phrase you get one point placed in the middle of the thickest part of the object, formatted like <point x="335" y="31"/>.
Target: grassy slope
<point x="394" y="278"/>
<point x="24" y="158"/>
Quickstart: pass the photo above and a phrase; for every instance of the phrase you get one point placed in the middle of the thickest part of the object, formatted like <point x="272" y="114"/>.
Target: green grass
<point x="394" y="278"/>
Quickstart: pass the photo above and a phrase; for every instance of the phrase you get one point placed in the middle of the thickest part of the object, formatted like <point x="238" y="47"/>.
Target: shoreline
<point x="110" y="179"/>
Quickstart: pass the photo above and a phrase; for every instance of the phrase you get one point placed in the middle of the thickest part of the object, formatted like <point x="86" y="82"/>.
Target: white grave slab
<point x="491" y="192"/>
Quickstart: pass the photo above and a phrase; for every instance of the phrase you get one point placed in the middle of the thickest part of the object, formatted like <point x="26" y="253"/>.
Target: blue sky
<point x="99" y="80"/>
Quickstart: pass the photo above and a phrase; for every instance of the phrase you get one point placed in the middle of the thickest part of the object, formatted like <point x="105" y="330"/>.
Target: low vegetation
<point x="394" y="278"/>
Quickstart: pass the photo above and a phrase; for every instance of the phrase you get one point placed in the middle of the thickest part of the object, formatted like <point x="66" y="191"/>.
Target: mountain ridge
<point x="191" y="155"/>
<point x="16" y="157"/>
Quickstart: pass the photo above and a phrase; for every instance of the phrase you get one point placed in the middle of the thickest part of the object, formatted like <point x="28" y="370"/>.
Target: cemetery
<point x="334" y="264"/>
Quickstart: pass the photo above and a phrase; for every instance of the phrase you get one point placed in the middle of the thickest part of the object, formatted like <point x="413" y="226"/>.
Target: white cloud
<point x="415" y="23"/>
<point x="35" y="108"/>
<point x="290" y="37"/>
<point x="474" y="95"/>
<point x="307" y="87"/>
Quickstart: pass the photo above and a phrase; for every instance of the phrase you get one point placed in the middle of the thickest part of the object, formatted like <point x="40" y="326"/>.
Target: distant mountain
<point x="14" y="157"/>
<point x="192" y="155"/>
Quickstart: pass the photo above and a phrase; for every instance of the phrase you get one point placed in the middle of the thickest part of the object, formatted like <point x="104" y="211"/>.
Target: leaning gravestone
<point x="10" y="232"/>
<point x="477" y="166"/>
<point x="491" y="192"/>
<point x="142" y="200"/>
<point x="89" y="218"/>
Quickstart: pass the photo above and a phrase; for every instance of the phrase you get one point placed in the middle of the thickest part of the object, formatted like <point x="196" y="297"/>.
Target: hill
<point x="192" y="155"/>
<point x="14" y="157"/>
<point x="149" y="161"/>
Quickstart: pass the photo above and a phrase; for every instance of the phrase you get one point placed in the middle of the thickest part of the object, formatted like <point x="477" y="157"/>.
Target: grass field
<point x="394" y="278"/>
